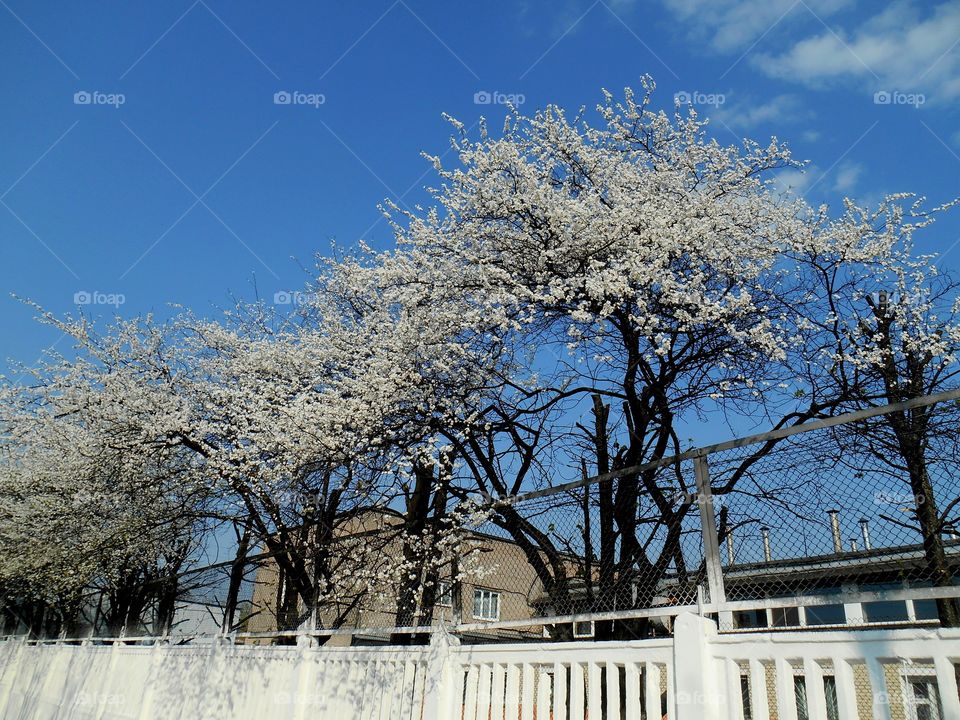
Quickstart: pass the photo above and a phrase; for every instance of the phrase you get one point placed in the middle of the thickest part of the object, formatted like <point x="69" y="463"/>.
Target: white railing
<point x="696" y="675"/>
<point x="841" y="674"/>
<point x="561" y="680"/>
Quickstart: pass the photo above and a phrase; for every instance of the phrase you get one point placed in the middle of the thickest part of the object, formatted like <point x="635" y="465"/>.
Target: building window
<point x="444" y="594"/>
<point x="785" y="617"/>
<point x="922" y="697"/>
<point x="884" y="610"/>
<point x="829" y="693"/>
<point x="745" y="697"/>
<point x="750" y="618"/>
<point x="486" y="604"/>
<point x="800" y="693"/>
<point x="826" y="615"/>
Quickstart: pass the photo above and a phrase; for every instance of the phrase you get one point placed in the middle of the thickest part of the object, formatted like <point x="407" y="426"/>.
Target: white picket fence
<point x="696" y="675"/>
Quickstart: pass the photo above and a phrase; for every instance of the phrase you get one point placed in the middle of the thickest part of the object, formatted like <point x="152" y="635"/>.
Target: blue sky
<point x="144" y="154"/>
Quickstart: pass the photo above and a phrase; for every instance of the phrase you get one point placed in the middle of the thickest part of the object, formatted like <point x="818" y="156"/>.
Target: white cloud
<point x="732" y="25"/>
<point x="907" y="46"/>
<point x="846" y="177"/>
<point x="900" y="49"/>
<point x="746" y="115"/>
<point x="795" y="182"/>
<point x="811" y="180"/>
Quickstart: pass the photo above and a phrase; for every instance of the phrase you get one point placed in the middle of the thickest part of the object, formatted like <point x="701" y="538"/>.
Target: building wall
<point x="490" y="563"/>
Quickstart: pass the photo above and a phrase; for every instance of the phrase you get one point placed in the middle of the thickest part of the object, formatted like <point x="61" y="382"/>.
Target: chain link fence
<point x="845" y="522"/>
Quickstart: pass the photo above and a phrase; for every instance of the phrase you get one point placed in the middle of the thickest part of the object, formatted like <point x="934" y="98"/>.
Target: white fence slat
<point x="512" y="695"/>
<point x="526" y="701"/>
<point x="947" y="682"/>
<point x="384" y="690"/>
<point x="632" y="691"/>
<point x="651" y="679"/>
<point x="459" y="673"/>
<point x="594" y="693"/>
<point x="483" y="692"/>
<point x="613" y="691"/>
<point x="881" y="696"/>
<point x="315" y="679"/>
<point x="497" y="695"/>
<point x="95" y="683"/>
<point x="543" y="693"/>
<point x="381" y="705"/>
<point x="734" y="692"/>
<point x="559" y="691"/>
<point x="370" y="709"/>
<point x="371" y="694"/>
<point x="846" y="685"/>
<point x="470" y="702"/>
<point x="406" y="689"/>
<point x="671" y="713"/>
<point x="786" y="692"/>
<point x="813" y="681"/>
<point x="355" y="697"/>
<point x="401" y="687"/>
<point x="312" y="683"/>
<point x="816" y="696"/>
<point x="330" y="682"/>
<point x="759" y="702"/>
<point x="341" y="690"/>
<point x="419" y="689"/>
<point x="9" y="670"/>
<point x="52" y="685"/>
<point x="576" y="691"/>
<point x="385" y="687"/>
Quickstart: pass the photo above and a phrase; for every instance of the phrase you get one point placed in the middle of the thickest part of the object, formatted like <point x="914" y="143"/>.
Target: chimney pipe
<point x="865" y="532"/>
<point x="835" y="530"/>
<point x="853" y="544"/>
<point x="730" y="548"/>
<point x="765" y="534"/>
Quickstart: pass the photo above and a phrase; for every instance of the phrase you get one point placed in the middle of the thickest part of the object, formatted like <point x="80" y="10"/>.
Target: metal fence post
<point x="711" y="541"/>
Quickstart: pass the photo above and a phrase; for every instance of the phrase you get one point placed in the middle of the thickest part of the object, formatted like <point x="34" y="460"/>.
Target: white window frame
<point x="486" y="594"/>
<point x="588" y="634"/>
<point x="444" y="590"/>
<point x="909" y="675"/>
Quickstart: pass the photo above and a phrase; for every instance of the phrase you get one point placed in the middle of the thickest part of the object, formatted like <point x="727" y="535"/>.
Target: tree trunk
<point x="414" y="522"/>
<point x="236" y="580"/>
<point x="928" y="517"/>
